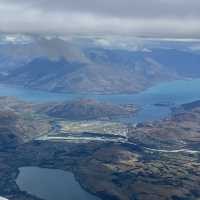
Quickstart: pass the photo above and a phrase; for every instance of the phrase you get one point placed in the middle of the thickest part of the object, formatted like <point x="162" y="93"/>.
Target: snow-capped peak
<point x="15" y="39"/>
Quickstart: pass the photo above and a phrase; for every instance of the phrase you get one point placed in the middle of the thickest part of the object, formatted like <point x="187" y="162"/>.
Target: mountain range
<point x="60" y="66"/>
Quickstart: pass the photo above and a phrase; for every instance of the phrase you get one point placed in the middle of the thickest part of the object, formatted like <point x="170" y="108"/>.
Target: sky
<point x="147" y="18"/>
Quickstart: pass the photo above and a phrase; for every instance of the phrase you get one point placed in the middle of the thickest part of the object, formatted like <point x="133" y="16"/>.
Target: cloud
<point x="152" y="18"/>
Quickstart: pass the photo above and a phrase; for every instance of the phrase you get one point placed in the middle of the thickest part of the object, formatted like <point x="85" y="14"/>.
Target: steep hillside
<point x="61" y="66"/>
<point x="9" y="133"/>
<point x="181" y="62"/>
<point x="180" y="131"/>
<point x="64" y="76"/>
<point x="86" y="109"/>
<point x="19" y="122"/>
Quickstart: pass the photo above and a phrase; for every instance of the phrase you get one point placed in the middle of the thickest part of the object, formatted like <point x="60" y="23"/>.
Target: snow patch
<point x="15" y="39"/>
<point x="2" y="198"/>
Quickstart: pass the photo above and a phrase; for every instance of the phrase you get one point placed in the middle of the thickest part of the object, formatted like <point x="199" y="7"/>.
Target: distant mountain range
<point x="60" y="66"/>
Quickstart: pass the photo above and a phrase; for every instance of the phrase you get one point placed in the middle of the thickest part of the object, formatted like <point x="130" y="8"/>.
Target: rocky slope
<point x="62" y="66"/>
<point x="64" y="76"/>
<point x="105" y="71"/>
<point x="20" y="119"/>
<point x="11" y="135"/>
<point x="23" y="127"/>
<point x="78" y="109"/>
<point x="180" y="131"/>
<point x="87" y="109"/>
<point x="76" y="66"/>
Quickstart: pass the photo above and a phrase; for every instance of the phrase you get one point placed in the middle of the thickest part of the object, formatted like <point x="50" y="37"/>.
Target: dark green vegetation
<point x="158" y="161"/>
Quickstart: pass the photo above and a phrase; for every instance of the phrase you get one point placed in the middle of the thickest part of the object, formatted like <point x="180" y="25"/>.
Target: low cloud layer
<point x="151" y="18"/>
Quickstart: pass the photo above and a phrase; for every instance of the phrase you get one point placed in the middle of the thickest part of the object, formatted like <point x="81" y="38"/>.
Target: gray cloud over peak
<point x="127" y="8"/>
<point x="156" y="18"/>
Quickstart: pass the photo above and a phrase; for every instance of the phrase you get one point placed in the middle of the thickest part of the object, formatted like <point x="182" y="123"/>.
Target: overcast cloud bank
<point x="150" y="18"/>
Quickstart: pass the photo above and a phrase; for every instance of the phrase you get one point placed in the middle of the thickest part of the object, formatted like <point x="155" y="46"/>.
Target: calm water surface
<point x="51" y="184"/>
<point x="173" y="93"/>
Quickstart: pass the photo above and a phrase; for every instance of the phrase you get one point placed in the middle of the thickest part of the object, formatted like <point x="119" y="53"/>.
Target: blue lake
<point x="173" y="93"/>
<point x="51" y="184"/>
